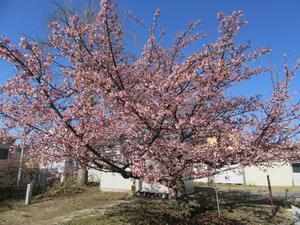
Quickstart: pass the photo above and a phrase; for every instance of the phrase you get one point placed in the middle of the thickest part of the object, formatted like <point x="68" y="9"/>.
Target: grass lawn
<point x="238" y="204"/>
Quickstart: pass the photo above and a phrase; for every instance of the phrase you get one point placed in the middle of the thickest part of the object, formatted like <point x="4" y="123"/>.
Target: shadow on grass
<point x="11" y="193"/>
<point x="239" y="202"/>
<point x="8" y="195"/>
<point x="5" y="206"/>
<point x="149" y="211"/>
<point x="237" y="208"/>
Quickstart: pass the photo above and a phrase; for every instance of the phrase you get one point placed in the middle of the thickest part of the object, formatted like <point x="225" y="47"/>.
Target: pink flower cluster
<point x="151" y="117"/>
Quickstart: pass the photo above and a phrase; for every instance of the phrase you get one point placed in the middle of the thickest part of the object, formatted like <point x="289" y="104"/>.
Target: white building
<point x="280" y="175"/>
<point x="115" y="182"/>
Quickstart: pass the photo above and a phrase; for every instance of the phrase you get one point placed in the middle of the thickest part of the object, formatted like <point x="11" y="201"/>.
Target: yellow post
<point x="133" y="189"/>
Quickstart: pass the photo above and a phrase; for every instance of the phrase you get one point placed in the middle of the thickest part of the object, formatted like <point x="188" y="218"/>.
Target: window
<point x="3" y="153"/>
<point x="296" y="167"/>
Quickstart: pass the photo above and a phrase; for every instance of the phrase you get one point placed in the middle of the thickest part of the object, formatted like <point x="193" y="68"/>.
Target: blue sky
<point x="271" y="23"/>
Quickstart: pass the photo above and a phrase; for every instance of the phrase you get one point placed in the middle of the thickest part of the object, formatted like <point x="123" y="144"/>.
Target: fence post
<point x="28" y="194"/>
<point x="286" y="197"/>
<point x="271" y="197"/>
<point x="218" y="204"/>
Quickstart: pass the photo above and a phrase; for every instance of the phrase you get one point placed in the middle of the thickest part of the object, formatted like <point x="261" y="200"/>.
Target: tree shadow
<point x="237" y="200"/>
<point x="9" y="196"/>
<point x="154" y="211"/>
<point x="238" y="207"/>
<point x="145" y="211"/>
<point x="5" y="206"/>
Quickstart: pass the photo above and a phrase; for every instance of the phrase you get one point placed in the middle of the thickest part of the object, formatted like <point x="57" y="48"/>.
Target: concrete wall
<point x="280" y="175"/>
<point x="189" y="186"/>
<point x="94" y="175"/>
<point x="230" y="176"/>
<point x="202" y="180"/>
<point x="115" y="182"/>
<point x="156" y="188"/>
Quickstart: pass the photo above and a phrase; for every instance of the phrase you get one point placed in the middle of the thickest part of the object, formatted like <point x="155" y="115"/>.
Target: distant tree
<point x="148" y="117"/>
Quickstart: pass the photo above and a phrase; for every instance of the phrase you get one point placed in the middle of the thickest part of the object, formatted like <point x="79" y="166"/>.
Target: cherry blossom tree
<point x="150" y="117"/>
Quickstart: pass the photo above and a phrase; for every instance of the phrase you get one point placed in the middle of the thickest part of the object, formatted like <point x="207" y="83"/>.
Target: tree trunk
<point x="182" y="199"/>
<point x="82" y="176"/>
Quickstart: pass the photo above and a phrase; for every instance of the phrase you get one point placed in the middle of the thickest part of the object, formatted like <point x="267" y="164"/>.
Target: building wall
<point x="94" y="176"/>
<point x="280" y="175"/>
<point x="115" y="182"/>
<point x="202" y="180"/>
<point x="230" y="176"/>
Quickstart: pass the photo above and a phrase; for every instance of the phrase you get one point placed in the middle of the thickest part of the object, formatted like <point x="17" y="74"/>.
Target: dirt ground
<point x="238" y="205"/>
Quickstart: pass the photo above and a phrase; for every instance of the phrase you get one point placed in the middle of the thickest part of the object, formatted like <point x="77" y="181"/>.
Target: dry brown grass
<point x="45" y="210"/>
<point x="240" y="205"/>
